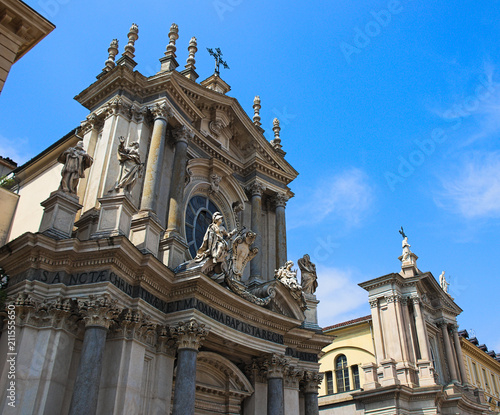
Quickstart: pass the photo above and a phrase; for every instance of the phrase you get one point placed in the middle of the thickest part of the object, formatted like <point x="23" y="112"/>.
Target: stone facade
<point x="115" y="309"/>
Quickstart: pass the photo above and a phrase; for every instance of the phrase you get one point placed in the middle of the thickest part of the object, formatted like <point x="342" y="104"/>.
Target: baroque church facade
<point x="146" y="258"/>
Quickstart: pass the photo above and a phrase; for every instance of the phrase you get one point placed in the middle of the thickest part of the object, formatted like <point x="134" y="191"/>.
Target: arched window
<point x="342" y="374"/>
<point x="355" y="376"/>
<point x="199" y="213"/>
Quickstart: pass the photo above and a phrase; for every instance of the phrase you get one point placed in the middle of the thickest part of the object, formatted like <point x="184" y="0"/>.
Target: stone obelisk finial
<point x="112" y="52"/>
<point x="168" y="62"/>
<point x="256" y="111"/>
<point x="276" y="141"/>
<point x="190" y="72"/>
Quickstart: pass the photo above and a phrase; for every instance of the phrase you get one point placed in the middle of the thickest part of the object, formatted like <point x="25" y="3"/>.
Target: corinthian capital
<point x="161" y="110"/>
<point x="98" y="310"/>
<point x="312" y="381"/>
<point x="276" y="366"/>
<point x="280" y="199"/>
<point x="183" y="134"/>
<point x="256" y="188"/>
<point x="189" y="334"/>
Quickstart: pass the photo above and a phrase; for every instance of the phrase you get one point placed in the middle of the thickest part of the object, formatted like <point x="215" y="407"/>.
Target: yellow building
<point x="342" y="360"/>
<point x="483" y="369"/>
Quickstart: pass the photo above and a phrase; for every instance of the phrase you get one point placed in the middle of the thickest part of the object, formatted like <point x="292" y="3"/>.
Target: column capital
<point x="190" y="334"/>
<point x="442" y="323"/>
<point x="374" y="303"/>
<point x="311" y="381"/>
<point x="280" y="199"/>
<point x="98" y="310"/>
<point x="415" y="300"/>
<point x="293" y="376"/>
<point x="161" y="110"/>
<point x="256" y="188"/>
<point x="276" y="365"/>
<point x="92" y="122"/>
<point x="393" y="298"/>
<point x="183" y="135"/>
<point x="134" y="324"/>
<point x="165" y="343"/>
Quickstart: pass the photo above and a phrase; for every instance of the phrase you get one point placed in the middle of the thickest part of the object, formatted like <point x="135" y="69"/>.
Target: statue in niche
<point x="242" y="253"/>
<point x="75" y="161"/>
<point x="130" y="165"/>
<point x="308" y="273"/>
<point x="214" y="248"/>
<point x="443" y="283"/>
<point x="288" y="278"/>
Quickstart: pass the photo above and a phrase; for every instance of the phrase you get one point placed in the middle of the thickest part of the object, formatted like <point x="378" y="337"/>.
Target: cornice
<point x="482" y="356"/>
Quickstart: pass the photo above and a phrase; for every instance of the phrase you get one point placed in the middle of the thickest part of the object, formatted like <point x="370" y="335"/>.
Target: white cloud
<point x="341" y="297"/>
<point x="474" y="192"/>
<point x="16" y="149"/>
<point x="347" y="196"/>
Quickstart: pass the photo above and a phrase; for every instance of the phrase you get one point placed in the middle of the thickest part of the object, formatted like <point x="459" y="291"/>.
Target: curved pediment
<point x="284" y="303"/>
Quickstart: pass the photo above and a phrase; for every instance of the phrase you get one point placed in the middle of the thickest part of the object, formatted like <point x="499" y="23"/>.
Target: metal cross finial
<point x="402" y="232"/>
<point x="217" y="56"/>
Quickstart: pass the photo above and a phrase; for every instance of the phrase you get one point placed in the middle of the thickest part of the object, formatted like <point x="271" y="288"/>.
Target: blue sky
<point x="389" y="110"/>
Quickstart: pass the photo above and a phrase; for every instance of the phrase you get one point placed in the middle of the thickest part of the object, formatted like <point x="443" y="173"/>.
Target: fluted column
<point x="181" y="136"/>
<point x="160" y="112"/>
<point x="256" y="189"/>
<point x="189" y="337"/>
<point x="275" y="366"/>
<point x="280" y="200"/>
<point x="421" y="332"/>
<point x="98" y="314"/>
<point x="310" y="390"/>
<point x="449" y="352"/>
<point x="460" y="356"/>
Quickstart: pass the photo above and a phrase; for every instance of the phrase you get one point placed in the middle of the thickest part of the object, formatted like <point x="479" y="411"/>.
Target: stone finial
<point x="112" y="52"/>
<point x="276" y="142"/>
<point x="133" y="35"/>
<point x="173" y="35"/>
<point x="256" y="111"/>
<point x="192" y="49"/>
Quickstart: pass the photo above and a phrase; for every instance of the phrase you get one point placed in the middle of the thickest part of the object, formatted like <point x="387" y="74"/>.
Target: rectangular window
<point x="342" y="380"/>
<point x="355" y="376"/>
<point x="476" y="376"/>
<point x="495" y="385"/>
<point x="486" y="380"/>
<point x="329" y="383"/>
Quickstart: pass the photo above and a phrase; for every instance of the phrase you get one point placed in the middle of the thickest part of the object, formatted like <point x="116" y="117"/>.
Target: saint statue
<point x="214" y="248"/>
<point x="75" y="161"/>
<point x="443" y="283"/>
<point x="308" y="273"/>
<point x="406" y="250"/>
<point x="130" y="165"/>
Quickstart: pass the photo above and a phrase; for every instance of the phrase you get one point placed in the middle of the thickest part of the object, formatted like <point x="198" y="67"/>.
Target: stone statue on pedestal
<point x="288" y="278"/>
<point x="130" y="165"/>
<point x="75" y="161"/>
<point x="308" y="273"/>
<point x="214" y="247"/>
<point x="443" y="283"/>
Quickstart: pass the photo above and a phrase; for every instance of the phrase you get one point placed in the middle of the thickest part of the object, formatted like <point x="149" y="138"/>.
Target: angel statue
<point x="308" y="272"/>
<point x="130" y="165"/>
<point x="288" y="278"/>
<point x="75" y="161"/>
<point x="214" y="248"/>
<point x="443" y="283"/>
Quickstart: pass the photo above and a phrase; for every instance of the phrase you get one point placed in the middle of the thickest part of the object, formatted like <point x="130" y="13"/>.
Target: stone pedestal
<point x="146" y="231"/>
<point x="407" y="374"/>
<point x="59" y="214"/>
<point x="115" y="216"/>
<point x="371" y="376"/>
<point x="87" y="224"/>
<point x="311" y="313"/>
<point x="426" y="373"/>
<point x="173" y="251"/>
<point x="390" y="374"/>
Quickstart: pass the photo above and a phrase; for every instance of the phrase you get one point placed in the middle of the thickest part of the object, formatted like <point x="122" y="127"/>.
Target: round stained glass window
<point x="199" y="213"/>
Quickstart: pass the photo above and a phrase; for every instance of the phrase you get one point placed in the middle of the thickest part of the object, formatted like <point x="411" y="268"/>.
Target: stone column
<point x="189" y="337"/>
<point x="421" y="332"/>
<point x="160" y="112"/>
<point x="256" y="189"/>
<point x="164" y="369"/>
<point x="275" y="366"/>
<point x="98" y="314"/>
<point x="449" y="352"/>
<point x="377" y="331"/>
<point x="460" y="356"/>
<point x="310" y="390"/>
<point x="280" y="200"/>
